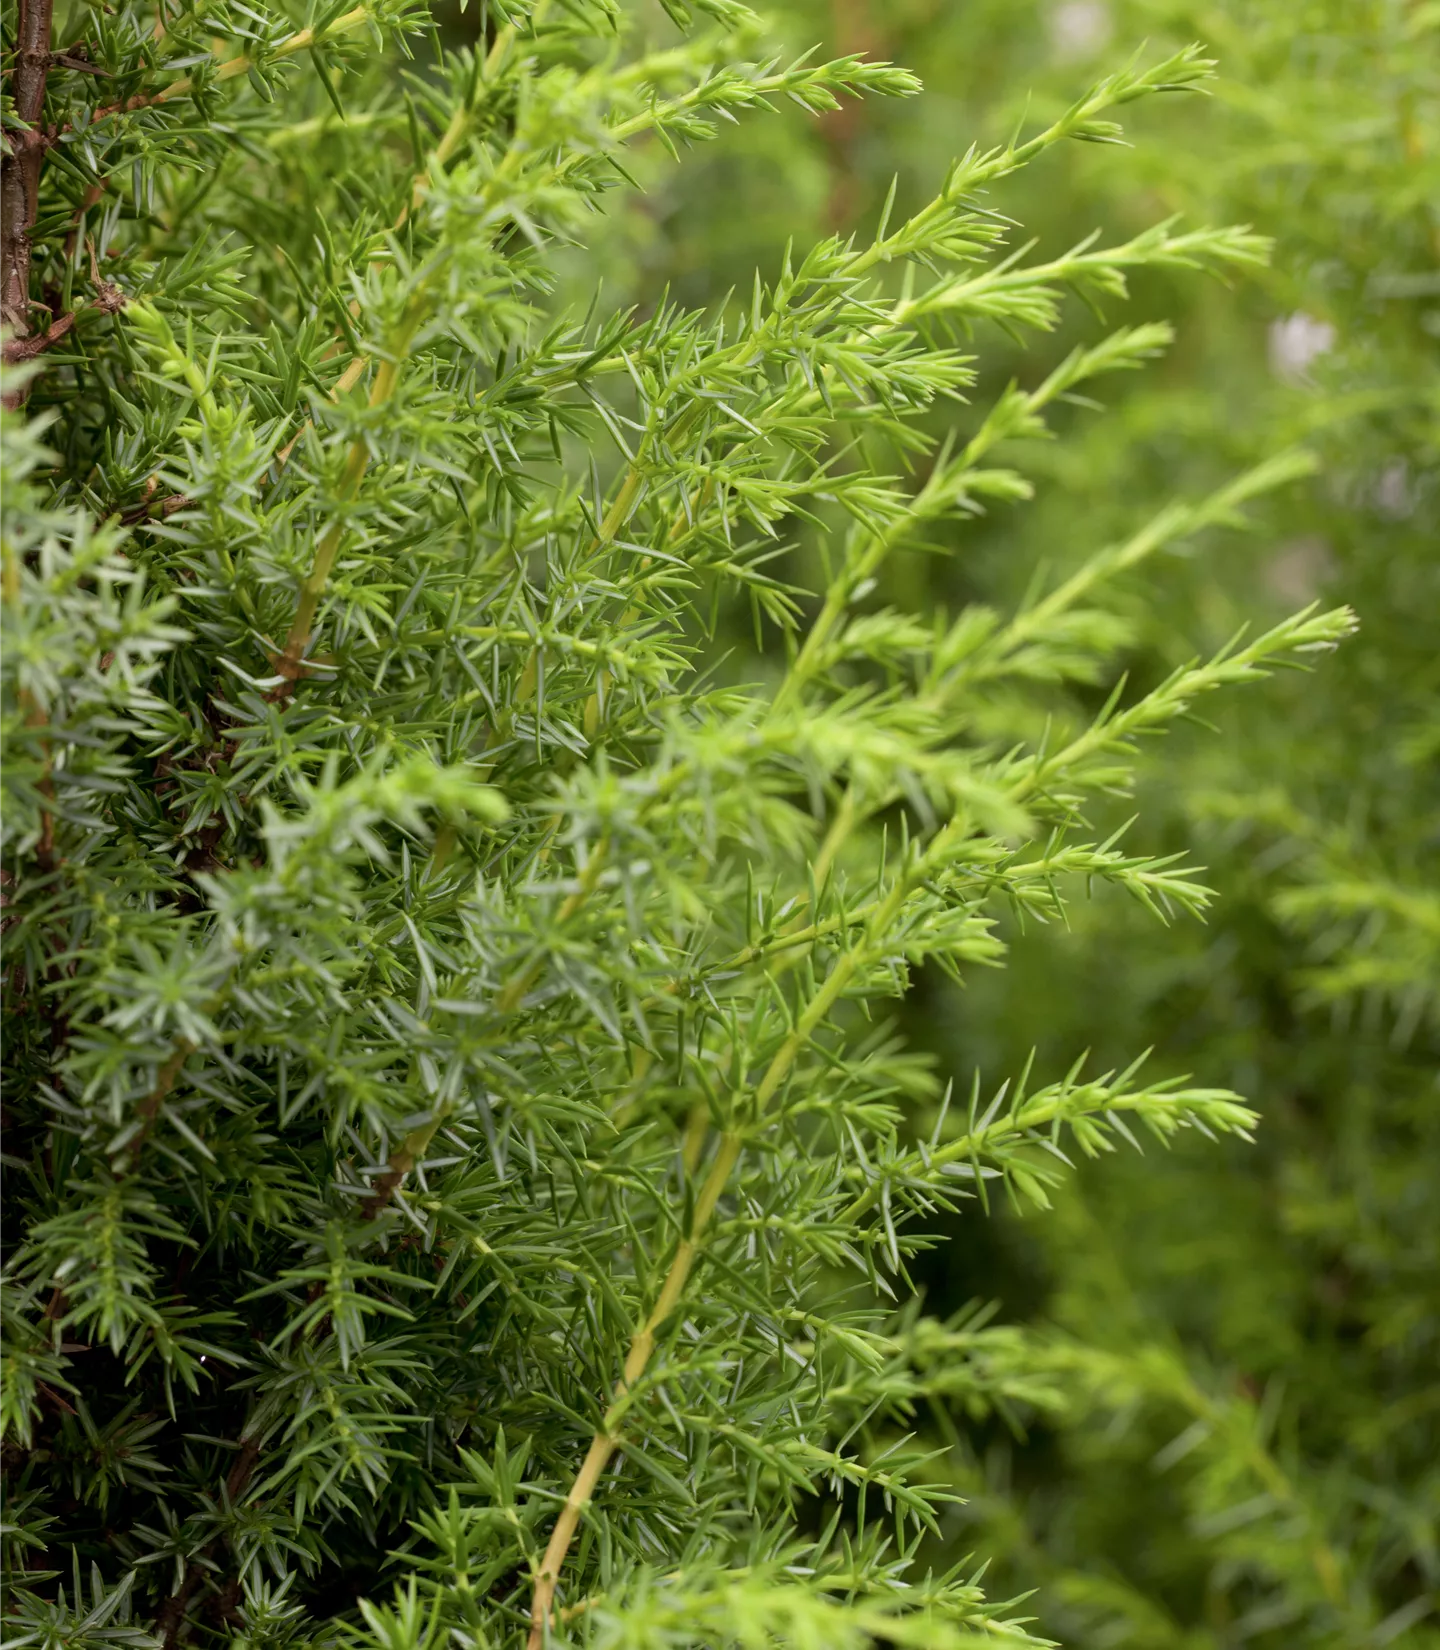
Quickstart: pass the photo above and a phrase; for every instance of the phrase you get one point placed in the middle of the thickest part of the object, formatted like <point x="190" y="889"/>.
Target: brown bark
<point x="384" y="1189"/>
<point x="26" y="349"/>
<point x="20" y="168"/>
<point x="170" y="1622"/>
<point x="161" y="509"/>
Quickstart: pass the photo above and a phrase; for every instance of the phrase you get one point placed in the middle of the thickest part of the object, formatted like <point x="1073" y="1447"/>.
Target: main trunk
<point x="20" y="170"/>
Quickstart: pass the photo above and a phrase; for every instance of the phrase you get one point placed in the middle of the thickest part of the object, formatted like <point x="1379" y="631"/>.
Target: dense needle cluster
<point x="454" y="1137"/>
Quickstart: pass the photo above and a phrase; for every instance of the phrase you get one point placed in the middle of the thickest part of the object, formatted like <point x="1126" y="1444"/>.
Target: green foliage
<point x="464" y="1173"/>
<point x="1255" y="1462"/>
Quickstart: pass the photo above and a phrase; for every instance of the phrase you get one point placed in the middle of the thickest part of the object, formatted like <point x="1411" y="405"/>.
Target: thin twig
<point x="35" y="343"/>
<point x="603" y="1444"/>
<point x="301" y="41"/>
<point x="289" y="664"/>
<point x="171" y="1616"/>
<point x="20" y="169"/>
<point x="782" y="1062"/>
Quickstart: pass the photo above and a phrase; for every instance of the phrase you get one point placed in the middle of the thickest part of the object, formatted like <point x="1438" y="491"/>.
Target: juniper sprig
<point x="462" y="1176"/>
<point x="1249" y="1453"/>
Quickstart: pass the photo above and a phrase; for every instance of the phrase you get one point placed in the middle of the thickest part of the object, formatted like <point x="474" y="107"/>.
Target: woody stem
<point x="20" y="169"/>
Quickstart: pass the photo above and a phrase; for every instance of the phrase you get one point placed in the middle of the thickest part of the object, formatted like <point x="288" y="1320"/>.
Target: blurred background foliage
<point x="1253" y="1333"/>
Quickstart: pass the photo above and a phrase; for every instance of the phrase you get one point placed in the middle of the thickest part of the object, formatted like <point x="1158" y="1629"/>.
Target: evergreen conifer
<point x="1249" y="1456"/>
<point x="463" y="1176"/>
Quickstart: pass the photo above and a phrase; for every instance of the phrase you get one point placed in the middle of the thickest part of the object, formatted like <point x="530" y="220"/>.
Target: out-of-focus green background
<point x="1251" y="1336"/>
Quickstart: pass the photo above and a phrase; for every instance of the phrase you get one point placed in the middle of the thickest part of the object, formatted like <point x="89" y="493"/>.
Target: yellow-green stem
<point x="299" y="42"/>
<point x="603" y="1444"/>
<point x="449" y="142"/>
<point x="847" y="816"/>
<point x="513" y="993"/>
<point x="642" y="1345"/>
<point x="357" y="460"/>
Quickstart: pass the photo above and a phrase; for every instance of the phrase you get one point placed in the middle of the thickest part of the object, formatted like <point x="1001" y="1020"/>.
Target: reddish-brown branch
<point x="109" y="300"/>
<point x="141" y="100"/>
<point x="172" y="1612"/>
<point x="20" y="168"/>
<point x="160" y="509"/>
<point x="171" y="1617"/>
<point x="244" y="1466"/>
<point x="26" y="349"/>
<point x="165" y="1081"/>
<point x="52" y="1397"/>
<point x="381" y="1192"/>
